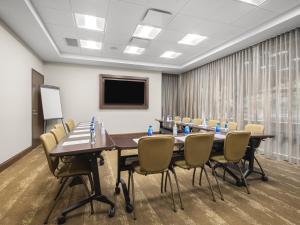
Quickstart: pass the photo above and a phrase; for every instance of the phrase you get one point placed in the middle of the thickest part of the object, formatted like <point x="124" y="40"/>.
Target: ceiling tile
<point x="231" y="11"/>
<point x="254" y="18"/>
<point x="280" y="5"/>
<point x="172" y="6"/>
<point x="202" y="8"/>
<point x="170" y="36"/>
<point x="58" y="17"/>
<point x="127" y="16"/>
<point x="91" y="52"/>
<point x="90" y="35"/>
<point x="90" y="7"/>
<point x="188" y="24"/>
<point x="62" y="31"/>
<point x="53" y="4"/>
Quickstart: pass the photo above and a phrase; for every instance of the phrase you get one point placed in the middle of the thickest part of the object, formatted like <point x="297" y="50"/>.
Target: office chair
<point x="231" y="125"/>
<point x="197" y="149"/>
<point x="255" y="128"/>
<point x="59" y="132"/>
<point x="196" y="121"/>
<point x="186" y="119"/>
<point x="212" y="123"/>
<point x="235" y="146"/>
<point x="177" y="119"/>
<point x="75" y="168"/>
<point x="154" y="157"/>
<point x="70" y="125"/>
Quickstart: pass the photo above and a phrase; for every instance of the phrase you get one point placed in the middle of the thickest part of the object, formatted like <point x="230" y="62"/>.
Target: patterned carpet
<point x="27" y="189"/>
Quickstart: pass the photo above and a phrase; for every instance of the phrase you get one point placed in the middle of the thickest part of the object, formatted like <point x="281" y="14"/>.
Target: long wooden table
<point x="91" y="151"/>
<point x="254" y="143"/>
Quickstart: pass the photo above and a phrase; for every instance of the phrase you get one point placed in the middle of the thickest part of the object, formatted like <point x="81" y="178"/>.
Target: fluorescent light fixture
<point x="191" y="39"/>
<point x="90" y="22"/>
<point x="90" y="44"/>
<point x="146" y="32"/>
<point x="253" y="2"/>
<point x="133" y="50"/>
<point x="170" y="54"/>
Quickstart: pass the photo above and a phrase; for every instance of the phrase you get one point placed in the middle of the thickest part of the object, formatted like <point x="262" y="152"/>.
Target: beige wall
<point x="80" y="97"/>
<point x="16" y="62"/>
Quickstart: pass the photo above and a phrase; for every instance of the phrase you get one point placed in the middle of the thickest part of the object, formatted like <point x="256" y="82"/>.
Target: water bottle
<point x="150" y="131"/>
<point x="102" y="129"/>
<point x="93" y="135"/>
<point x="175" y="130"/>
<point x="226" y="126"/>
<point x="186" y="130"/>
<point x="218" y="128"/>
<point x="206" y="122"/>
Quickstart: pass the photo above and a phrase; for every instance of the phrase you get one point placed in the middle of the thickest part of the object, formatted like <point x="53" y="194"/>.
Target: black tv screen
<point x="124" y="92"/>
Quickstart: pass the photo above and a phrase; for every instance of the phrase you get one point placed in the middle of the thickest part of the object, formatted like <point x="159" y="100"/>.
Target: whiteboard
<point x="51" y="102"/>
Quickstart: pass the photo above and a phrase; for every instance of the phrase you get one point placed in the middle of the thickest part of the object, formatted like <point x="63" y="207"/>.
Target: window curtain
<point x="169" y="95"/>
<point x="260" y="84"/>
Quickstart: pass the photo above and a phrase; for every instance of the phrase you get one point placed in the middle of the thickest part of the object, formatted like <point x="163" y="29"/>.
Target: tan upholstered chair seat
<point x="182" y="164"/>
<point x="138" y="170"/>
<point x="219" y="159"/>
<point x="129" y="152"/>
<point x="76" y="167"/>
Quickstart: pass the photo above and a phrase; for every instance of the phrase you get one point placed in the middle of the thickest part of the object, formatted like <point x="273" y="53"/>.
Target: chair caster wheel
<point x="117" y="190"/>
<point x="264" y="178"/>
<point x="61" y="220"/>
<point x="129" y="208"/>
<point x="111" y="212"/>
<point x="239" y="183"/>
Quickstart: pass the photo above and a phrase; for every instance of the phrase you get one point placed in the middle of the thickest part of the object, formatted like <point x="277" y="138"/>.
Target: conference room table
<point x="254" y="143"/>
<point x="77" y="143"/>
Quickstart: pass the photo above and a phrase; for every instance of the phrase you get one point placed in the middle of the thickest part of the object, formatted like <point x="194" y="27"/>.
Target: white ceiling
<point x="230" y="25"/>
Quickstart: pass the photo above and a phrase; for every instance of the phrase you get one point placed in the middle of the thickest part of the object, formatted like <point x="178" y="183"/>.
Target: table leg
<point x="128" y="205"/>
<point x="160" y="126"/>
<point x="254" y="143"/>
<point x="117" y="188"/>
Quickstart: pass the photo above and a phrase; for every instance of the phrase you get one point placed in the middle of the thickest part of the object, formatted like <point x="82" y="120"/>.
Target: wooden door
<point x="37" y="110"/>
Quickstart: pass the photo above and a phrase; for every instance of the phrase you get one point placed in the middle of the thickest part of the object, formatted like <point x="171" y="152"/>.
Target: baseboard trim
<point x="15" y="158"/>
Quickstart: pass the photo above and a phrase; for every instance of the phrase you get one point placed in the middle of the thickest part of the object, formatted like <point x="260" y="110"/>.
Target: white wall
<point x="80" y="97"/>
<point x="16" y="62"/>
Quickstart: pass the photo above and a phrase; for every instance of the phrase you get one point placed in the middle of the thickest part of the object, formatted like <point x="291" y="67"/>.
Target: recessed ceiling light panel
<point x="90" y="44"/>
<point x="90" y="22"/>
<point x="133" y="50"/>
<point x="170" y="54"/>
<point x="191" y="39"/>
<point x="253" y="2"/>
<point x="146" y="32"/>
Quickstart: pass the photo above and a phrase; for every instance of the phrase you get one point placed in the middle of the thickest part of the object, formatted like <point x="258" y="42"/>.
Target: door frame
<point x="43" y="78"/>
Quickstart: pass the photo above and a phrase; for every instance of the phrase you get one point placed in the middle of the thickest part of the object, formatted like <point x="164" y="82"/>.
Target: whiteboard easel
<point x="51" y="104"/>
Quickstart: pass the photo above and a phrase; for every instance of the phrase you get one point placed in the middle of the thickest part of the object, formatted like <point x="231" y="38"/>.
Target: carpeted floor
<point x="27" y="189"/>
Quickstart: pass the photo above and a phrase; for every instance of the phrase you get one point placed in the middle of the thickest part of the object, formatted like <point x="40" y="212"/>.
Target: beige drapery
<point x="169" y="95"/>
<point x="260" y="84"/>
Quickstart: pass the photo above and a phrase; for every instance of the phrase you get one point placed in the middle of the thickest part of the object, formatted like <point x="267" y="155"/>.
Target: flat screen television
<point x="123" y="92"/>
